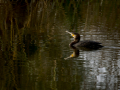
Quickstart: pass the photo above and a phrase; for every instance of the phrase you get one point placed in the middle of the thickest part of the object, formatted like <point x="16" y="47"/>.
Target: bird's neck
<point x="74" y="42"/>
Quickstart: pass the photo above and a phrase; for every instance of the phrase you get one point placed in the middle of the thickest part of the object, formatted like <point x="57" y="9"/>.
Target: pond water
<point x="34" y="45"/>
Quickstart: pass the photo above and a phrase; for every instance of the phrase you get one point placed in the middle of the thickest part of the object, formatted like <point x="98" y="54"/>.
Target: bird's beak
<point x="71" y="33"/>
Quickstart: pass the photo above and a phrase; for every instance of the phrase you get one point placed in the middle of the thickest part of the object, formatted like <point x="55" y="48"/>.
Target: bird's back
<point x="88" y="44"/>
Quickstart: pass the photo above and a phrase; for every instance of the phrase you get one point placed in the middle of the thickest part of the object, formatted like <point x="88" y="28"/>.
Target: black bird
<point x="85" y="44"/>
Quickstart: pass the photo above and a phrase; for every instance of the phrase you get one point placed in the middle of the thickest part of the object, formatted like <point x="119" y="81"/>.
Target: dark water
<point x="35" y="52"/>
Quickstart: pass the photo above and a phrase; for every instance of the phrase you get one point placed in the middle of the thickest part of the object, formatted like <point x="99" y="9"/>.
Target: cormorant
<point x="86" y="43"/>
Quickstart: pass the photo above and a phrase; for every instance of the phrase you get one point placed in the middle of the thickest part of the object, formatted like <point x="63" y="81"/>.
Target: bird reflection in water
<point x="74" y="54"/>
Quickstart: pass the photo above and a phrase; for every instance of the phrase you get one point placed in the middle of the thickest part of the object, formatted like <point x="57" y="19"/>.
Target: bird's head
<point x="76" y="36"/>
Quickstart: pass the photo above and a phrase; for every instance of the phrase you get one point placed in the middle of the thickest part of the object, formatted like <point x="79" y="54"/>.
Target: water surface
<point x="34" y="47"/>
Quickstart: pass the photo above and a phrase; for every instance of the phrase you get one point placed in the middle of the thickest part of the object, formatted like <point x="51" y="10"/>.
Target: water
<point x="35" y="52"/>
